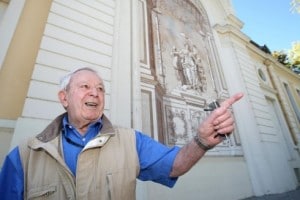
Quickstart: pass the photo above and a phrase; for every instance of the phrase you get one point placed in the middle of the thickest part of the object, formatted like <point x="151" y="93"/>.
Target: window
<point x="293" y="102"/>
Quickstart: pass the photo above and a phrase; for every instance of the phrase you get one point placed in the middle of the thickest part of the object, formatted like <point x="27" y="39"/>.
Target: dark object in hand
<point x="212" y="106"/>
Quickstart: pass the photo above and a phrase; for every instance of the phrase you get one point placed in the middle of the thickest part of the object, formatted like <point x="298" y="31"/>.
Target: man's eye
<point x="100" y="88"/>
<point x="84" y="86"/>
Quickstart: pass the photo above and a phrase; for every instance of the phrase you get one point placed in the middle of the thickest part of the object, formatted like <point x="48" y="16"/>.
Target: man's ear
<point x="62" y="96"/>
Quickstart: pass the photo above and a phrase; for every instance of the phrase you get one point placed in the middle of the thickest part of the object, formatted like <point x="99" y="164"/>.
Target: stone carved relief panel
<point x="183" y="48"/>
<point x="186" y="66"/>
<point x="182" y="122"/>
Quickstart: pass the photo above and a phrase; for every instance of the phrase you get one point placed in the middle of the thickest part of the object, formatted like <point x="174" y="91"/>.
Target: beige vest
<point x="107" y="169"/>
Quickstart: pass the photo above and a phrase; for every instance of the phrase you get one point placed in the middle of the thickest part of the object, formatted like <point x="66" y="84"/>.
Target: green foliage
<point x="294" y="54"/>
<point x="291" y="59"/>
<point x="282" y="57"/>
<point x="295" y="5"/>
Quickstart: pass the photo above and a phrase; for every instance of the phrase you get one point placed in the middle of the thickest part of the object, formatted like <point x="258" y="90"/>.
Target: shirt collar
<point x="97" y="125"/>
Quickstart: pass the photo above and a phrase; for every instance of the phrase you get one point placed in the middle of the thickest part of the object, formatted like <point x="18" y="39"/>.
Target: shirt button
<point x="83" y="139"/>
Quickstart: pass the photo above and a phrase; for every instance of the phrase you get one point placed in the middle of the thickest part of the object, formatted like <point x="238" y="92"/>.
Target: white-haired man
<point x="80" y="155"/>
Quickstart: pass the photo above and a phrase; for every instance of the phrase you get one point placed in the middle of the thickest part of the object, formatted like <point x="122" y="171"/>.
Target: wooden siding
<point x="258" y="100"/>
<point x="77" y="34"/>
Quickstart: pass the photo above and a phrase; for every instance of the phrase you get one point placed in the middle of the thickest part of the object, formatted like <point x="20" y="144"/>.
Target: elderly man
<point x="80" y="155"/>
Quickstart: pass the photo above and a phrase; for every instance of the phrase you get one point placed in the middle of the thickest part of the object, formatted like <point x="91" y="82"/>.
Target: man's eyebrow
<point x="86" y="82"/>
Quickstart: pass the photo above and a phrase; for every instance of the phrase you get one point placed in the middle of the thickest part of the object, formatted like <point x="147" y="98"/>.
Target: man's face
<point x="84" y="98"/>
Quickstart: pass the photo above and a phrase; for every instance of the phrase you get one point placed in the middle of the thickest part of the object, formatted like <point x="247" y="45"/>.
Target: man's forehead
<point x="86" y="76"/>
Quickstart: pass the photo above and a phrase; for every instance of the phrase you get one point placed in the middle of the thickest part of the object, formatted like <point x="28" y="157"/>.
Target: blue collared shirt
<point x="73" y="142"/>
<point x="156" y="160"/>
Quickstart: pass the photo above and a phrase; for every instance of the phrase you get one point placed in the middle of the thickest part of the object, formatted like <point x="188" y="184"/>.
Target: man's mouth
<point x="91" y="104"/>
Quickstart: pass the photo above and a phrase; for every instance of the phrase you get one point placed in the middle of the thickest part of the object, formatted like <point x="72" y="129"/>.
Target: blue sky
<point x="269" y="22"/>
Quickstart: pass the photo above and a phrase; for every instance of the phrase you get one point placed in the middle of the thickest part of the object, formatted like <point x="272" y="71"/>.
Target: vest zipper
<point x="109" y="185"/>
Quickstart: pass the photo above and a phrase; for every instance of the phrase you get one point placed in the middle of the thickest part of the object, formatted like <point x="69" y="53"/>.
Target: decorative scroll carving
<point x="177" y="125"/>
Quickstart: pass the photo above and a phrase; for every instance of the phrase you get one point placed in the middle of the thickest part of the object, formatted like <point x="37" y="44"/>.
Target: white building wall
<point x="212" y="178"/>
<point x="268" y="166"/>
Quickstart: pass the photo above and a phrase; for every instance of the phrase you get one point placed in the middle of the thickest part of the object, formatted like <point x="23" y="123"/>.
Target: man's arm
<point x="11" y="177"/>
<point x="220" y="121"/>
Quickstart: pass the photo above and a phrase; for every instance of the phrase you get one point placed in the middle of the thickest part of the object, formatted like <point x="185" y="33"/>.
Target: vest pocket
<point x="44" y="192"/>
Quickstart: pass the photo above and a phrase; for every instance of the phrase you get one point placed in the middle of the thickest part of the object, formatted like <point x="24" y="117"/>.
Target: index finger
<point x="228" y="102"/>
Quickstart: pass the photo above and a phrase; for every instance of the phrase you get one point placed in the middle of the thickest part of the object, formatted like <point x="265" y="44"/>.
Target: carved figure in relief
<point x="189" y="67"/>
<point x="177" y="65"/>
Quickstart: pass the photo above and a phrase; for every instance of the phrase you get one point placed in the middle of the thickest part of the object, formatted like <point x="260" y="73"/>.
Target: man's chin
<point x="93" y="118"/>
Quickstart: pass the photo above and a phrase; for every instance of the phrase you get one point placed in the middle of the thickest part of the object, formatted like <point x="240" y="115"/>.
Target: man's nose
<point x="94" y="91"/>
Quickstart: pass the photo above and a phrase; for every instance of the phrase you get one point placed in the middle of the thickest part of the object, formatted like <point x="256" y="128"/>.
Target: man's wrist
<point x="202" y="145"/>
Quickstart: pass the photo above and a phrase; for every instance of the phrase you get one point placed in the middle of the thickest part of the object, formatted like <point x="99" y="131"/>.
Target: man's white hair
<point x="65" y="81"/>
